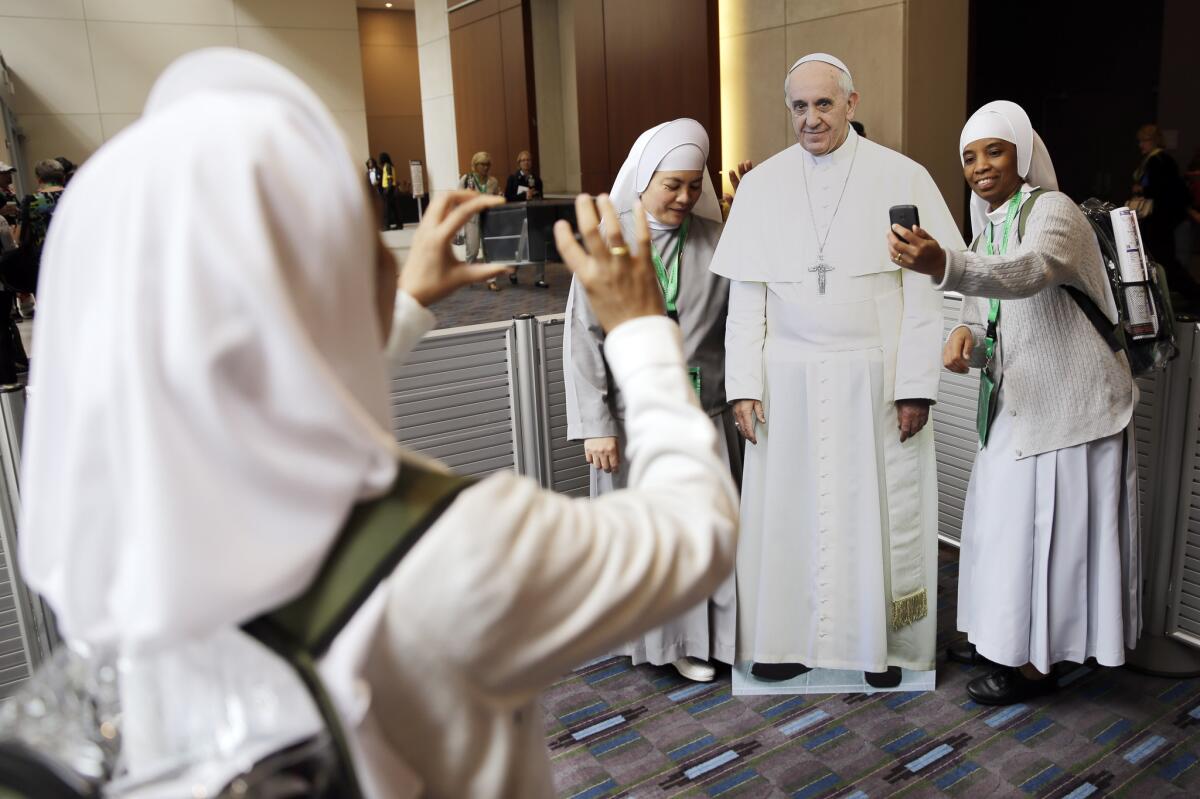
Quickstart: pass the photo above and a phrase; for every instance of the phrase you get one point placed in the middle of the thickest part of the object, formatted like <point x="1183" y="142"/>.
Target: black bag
<point x="1145" y="354"/>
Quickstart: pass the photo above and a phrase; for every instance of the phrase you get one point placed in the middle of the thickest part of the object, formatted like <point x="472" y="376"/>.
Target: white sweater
<point x="515" y="585"/>
<point x="1061" y="383"/>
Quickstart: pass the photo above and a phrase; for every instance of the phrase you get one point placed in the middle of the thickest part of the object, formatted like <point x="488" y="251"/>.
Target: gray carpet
<point x="616" y="730"/>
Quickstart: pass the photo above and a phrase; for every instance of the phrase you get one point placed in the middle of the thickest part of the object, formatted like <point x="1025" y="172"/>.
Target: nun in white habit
<point x="666" y="168"/>
<point x="187" y="467"/>
<point x="1049" y="566"/>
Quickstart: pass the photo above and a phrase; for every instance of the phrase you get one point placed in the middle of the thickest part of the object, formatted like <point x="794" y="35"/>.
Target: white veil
<point x="190" y="457"/>
<point x="1002" y="119"/>
<point x="679" y="144"/>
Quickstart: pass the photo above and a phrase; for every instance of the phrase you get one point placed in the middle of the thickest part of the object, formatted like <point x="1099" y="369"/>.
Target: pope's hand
<point x="620" y="286"/>
<point x="745" y="413"/>
<point x="956" y="355"/>
<point x="912" y="415"/>
<point x="915" y="249"/>
<point x="604" y="453"/>
<point x="431" y="271"/>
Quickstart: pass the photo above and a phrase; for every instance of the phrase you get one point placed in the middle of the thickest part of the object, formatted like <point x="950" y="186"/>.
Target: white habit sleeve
<point x="515" y="585"/>
<point x="919" y="359"/>
<point x="410" y="321"/>
<point x="745" y="334"/>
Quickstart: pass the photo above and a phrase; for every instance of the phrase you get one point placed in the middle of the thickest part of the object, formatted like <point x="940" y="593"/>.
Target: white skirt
<point x="1049" y="567"/>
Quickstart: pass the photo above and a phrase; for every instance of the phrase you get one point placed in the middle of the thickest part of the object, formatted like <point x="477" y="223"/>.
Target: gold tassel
<point x="909" y="609"/>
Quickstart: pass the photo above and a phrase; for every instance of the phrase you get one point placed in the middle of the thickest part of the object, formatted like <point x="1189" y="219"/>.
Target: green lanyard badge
<point x="668" y="281"/>
<point x="989" y="389"/>
<point x="668" y="276"/>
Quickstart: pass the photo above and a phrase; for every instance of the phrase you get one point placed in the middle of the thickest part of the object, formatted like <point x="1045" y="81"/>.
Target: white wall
<point x="83" y="68"/>
<point x="437" y="94"/>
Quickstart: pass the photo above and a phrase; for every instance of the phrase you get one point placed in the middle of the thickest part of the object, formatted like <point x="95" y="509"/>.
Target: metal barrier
<point x="1179" y="562"/>
<point x="490" y="397"/>
<point x="26" y="627"/>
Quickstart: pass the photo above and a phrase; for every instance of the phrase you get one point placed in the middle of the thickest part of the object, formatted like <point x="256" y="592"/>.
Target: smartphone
<point x="905" y="216"/>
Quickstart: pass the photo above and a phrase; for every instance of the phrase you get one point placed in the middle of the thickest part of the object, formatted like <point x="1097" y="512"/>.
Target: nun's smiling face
<point x="990" y="169"/>
<point x="671" y="196"/>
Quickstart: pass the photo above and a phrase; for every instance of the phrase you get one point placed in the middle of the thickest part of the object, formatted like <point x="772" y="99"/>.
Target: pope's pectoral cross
<point x="821" y="268"/>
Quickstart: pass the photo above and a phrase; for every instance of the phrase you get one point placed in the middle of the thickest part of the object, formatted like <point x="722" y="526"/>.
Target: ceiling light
<point x="387" y="5"/>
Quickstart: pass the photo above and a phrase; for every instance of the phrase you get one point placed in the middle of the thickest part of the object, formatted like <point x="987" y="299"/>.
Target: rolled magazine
<point x="1135" y="270"/>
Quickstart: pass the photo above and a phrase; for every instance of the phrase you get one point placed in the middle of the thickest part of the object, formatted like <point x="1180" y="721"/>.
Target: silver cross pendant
<point x="821" y="268"/>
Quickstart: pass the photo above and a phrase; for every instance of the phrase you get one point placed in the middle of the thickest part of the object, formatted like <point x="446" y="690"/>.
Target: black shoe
<point x="542" y="284"/>
<point x="512" y="278"/>
<point x="778" y="671"/>
<point x="1007" y="686"/>
<point x="884" y="679"/>
<point x="963" y="651"/>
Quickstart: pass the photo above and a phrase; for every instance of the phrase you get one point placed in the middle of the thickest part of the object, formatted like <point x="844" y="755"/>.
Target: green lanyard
<point x="479" y="187"/>
<point x="1014" y="207"/>
<point x="989" y="389"/>
<point x="668" y="276"/>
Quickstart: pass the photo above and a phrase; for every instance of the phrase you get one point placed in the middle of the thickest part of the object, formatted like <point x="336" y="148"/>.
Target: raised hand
<point x="431" y="271"/>
<point x="620" y="286"/>
<point x="915" y="249"/>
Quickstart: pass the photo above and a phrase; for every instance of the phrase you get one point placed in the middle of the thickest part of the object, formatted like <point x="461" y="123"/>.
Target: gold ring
<point x="896" y="258"/>
<point x="619" y="251"/>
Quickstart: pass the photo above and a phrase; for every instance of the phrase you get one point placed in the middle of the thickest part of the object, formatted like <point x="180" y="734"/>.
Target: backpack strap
<point x="1026" y="210"/>
<point x="376" y="536"/>
<point x="1105" y="328"/>
<point x="1022" y="218"/>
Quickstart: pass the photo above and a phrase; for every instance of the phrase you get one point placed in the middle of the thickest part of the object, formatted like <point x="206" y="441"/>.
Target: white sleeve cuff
<point x="410" y="321"/>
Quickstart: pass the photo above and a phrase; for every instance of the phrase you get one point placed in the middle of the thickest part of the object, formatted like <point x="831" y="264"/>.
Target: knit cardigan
<point x="1062" y="385"/>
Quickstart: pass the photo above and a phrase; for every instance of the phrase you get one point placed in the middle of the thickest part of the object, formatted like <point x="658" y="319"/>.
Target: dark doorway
<point x="1087" y="74"/>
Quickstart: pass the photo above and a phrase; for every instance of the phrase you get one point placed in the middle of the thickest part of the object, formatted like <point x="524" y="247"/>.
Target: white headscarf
<point x="679" y="145"/>
<point x="1001" y="119"/>
<point x="209" y="390"/>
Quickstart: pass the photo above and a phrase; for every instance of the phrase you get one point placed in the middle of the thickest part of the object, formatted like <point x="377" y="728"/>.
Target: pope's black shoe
<point x="884" y="679"/>
<point x="1007" y="686"/>
<point x="778" y="671"/>
<point x="963" y="651"/>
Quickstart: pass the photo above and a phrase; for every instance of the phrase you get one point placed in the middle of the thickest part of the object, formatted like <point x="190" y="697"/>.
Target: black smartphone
<point x="905" y="216"/>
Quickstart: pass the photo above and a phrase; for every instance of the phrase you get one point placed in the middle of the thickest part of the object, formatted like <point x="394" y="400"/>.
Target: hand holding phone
<point x="910" y="246"/>
<point x="905" y="216"/>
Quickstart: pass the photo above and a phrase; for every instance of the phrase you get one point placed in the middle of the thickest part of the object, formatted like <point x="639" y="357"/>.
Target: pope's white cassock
<point x="837" y="559"/>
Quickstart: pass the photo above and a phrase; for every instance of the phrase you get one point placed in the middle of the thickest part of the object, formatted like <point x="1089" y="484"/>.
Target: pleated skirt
<point x="1049" y="567"/>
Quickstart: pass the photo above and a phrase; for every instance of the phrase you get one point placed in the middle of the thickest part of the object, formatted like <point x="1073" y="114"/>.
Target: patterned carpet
<point x="614" y="730"/>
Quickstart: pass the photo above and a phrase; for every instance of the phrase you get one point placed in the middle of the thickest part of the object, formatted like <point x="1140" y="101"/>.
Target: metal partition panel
<point x="451" y="399"/>
<point x="569" y="473"/>
<point x="1183" y="621"/>
<point x="26" y="633"/>
<point x="15" y="660"/>
<point x="955" y="439"/>
<point x="1149" y="416"/>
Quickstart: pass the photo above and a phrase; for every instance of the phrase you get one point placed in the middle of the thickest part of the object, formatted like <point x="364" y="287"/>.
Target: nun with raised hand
<point x="187" y="468"/>
<point x="666" y="169"/>
<point x="1049" y="566"/>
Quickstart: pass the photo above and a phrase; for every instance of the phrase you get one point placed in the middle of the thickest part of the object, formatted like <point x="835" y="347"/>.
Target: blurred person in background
<point x="1160" y="198"/>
